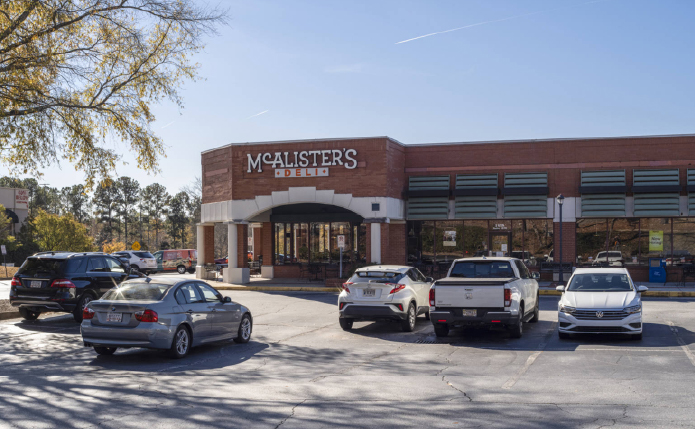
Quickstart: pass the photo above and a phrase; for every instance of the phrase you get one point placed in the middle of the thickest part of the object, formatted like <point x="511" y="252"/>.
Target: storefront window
<point x="683" y="241"/>
<point x="449" y="240"/>
<point x="623" y="237"/>
<point x="590" y="240"/>
<point x="301" y="242"/>
<point x="427" y="237"/>
<point x="519" y="249"/>
<point x="475" y="239"/>
<point x="655" y="239"/>
<point x="539" y="240"/>
<point x="338" y="229"/>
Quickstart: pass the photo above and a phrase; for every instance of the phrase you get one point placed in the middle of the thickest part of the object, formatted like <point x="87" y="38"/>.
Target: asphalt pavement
<point x="300" y="370"/>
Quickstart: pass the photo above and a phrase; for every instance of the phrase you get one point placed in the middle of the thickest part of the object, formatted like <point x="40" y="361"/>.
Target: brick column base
<point x="569" y="248"/>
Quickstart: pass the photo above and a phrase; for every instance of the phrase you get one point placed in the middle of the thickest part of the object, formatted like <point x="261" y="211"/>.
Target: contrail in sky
<point x="168" y="124"/>
<point x="257" y="114"/>
<point x="497" y="20"/>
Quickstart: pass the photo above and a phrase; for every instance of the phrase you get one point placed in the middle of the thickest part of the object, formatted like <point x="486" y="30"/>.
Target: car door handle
<point x="214" y="310"/>
<point x="189" y="311"/>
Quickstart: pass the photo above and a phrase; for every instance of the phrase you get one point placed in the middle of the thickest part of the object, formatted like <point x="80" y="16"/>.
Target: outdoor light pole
<point x="560" y="200"/>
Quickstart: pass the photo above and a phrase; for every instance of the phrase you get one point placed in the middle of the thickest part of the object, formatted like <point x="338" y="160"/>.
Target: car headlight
<point x="633" y="309"/>
<point x="567" y="309"/>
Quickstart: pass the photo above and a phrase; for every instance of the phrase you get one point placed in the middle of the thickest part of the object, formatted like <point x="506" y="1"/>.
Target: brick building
<point x="626" y="200"/>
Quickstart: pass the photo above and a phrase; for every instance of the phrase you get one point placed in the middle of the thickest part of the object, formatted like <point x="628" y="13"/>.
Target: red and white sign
<point x="301" y="172"/>
<point x="21" y="199"/>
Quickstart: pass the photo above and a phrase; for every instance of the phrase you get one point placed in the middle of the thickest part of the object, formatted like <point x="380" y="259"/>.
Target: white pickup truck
<point x="485" y="291"/>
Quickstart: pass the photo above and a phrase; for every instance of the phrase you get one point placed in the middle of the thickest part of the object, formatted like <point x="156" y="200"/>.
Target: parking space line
<point x="684" y="346"/>
<point x="531" y="359"/>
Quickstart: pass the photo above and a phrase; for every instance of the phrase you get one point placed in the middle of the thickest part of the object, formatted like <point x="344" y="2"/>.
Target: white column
<point x="200" y="272"/>
<point x="234" y="274"/>
<point x="375" y="243"/>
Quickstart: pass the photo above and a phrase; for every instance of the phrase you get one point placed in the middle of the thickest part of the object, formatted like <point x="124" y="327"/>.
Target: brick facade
<point x="209" y="231"/>
<point x="267" y="243"/>
<point x="242" y="245"/>
<point x="569" y="235"/>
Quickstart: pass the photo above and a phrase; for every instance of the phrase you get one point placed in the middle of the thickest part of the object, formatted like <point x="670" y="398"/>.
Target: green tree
<point x="127" y="197"/>
<point x="53" y="232"/>
<point x="177" y="218"/>
<point x="75" y="73"/>
<point x="155" y="200"/>
<point x="106" y="206"/>
<point x="76" y="202"/>
<point x="194" y="190"/>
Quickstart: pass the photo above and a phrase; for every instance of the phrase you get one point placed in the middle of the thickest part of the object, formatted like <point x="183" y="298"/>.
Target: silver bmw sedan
<point x="163" y="313"/>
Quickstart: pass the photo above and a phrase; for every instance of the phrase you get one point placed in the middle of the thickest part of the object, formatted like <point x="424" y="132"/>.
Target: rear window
<point x="137" y="292"/>
<point x="143" y="254"/>
<point x="46" y="267"/>
<point x="483" y="269"/>
<point x="377" y="276"/>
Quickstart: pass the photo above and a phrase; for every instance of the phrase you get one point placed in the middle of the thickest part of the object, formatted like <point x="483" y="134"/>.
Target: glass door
<point x="500" y="243"/>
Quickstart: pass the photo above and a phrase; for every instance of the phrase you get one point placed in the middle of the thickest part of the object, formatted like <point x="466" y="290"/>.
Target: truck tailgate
<point x="470" y="293"/>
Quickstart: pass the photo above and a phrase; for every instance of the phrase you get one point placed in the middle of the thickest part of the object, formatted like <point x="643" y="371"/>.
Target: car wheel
<point x="408" y="325"/>
<point x="346" y="324"/>
<point x="536" y="311"/>
<point x="28" y="314"/>
<point x="181" y="343"/>
<point x="636" y="337"/>
<point x="427" y="315"/>
<point x="563" y="335"/>
<point x="81" y="304"/>
<point x="516" y="330"/>
<point x="105" y="351"/>
<point x="441" y="329"/>
<point x="181" y="269"/>
<point x="245" y="327"/>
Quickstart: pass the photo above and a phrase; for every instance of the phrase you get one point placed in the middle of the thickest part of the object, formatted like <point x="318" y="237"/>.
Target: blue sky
<point x="556" y="68"/>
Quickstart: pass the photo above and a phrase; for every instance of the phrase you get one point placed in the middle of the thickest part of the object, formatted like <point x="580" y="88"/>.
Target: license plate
<point x="114" y="317"/>
<point x="472" y="313"/>
<point x="369" y="292"/>
<point x="35" y="284"/>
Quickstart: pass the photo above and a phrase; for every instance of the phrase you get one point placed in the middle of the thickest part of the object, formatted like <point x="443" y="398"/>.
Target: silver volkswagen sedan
<point x="163" y="313"/>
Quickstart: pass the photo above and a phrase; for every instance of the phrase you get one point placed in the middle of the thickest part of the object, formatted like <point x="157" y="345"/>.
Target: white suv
<point x="600" y="300"/>
<point x="384" y="292"/>
<point x="140" y="260"/>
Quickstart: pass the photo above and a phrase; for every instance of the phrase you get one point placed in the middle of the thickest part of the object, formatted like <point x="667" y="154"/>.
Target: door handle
<point x="214" y="310"/>
<point x="189" y="311"/>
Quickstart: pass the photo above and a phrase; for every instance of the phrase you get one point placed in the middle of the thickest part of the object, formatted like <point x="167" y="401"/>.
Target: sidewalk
<point x="286" y="285"/>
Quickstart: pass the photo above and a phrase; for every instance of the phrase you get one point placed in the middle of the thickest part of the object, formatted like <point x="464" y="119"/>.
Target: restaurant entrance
<point x="500" y="243"/>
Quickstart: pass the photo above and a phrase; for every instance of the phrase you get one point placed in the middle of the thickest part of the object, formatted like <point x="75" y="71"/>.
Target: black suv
<point x="64" y="281"/>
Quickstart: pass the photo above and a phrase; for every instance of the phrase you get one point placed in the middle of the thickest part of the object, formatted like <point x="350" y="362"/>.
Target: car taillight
<point x="146" y="316"/>
<point x="342" y="304"/>
<point x="431" y="297"/>
<point x="345" y="286"/>
<point x="396" y="287"/>
<point x="64" y="283"/>
<point x="507" y="297"/>
<point x="87" y="314"/>
<point x="15" y="282"/>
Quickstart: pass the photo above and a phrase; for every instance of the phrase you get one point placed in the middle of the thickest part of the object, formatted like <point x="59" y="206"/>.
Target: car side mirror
<point x="535" y="275"/>
<point x="560" y="288"/>
<point x="227" y="299"/>
<point x="429" y="280"/>
<point x="642" y="288"/>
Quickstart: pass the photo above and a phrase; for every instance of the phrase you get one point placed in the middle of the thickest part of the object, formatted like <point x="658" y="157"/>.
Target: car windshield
<point x="38" y="266"/>
<point x="482" y="269"/>
<point x="600" y="282"/>
<point x="377" y="276"/>
<point x="137" y="292"/>
<point x="143" y="254"/>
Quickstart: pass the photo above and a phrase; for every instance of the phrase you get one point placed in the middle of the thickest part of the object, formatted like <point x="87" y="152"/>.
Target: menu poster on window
<point x="450" y="238"/>
<point x="656" y="241"/>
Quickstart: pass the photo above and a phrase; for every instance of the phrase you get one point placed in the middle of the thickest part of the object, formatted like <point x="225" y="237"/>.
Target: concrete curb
<point x="9" y="315"/>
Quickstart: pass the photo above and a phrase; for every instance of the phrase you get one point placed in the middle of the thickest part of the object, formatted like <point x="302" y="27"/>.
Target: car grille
<point x="607" y="329"/>
<point x="606" y="314"/>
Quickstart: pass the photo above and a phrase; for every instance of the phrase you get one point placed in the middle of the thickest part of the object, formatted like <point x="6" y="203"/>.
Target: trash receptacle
<point x="657" y="270"/>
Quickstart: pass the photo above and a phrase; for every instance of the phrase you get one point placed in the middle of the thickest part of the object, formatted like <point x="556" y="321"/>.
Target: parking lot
<point x="300" y="370"/>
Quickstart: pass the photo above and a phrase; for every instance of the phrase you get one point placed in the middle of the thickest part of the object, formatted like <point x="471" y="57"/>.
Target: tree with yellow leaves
<point x="76" y="72"/>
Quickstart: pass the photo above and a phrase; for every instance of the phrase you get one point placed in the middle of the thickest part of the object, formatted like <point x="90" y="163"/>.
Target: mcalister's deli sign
<point x="297" y="162"/>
